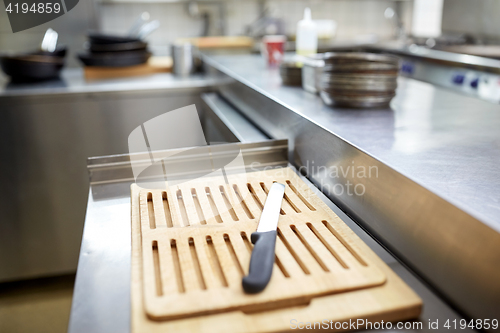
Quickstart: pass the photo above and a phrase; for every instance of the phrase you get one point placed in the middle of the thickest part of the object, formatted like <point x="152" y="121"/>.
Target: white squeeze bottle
<point x="307" y="35"/>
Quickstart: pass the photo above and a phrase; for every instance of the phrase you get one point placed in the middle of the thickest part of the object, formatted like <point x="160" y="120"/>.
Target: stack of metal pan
<point x="359" y="80"/>
<point x="291" y="73"/>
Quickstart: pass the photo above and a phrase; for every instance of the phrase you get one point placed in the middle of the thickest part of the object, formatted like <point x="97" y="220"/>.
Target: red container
<point x="273" y="49"/>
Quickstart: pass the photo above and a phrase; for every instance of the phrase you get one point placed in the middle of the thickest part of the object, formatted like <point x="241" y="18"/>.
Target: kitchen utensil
<point x="357" y="79"/>
<point x="60" y="51"/>
<point x="147" y="29"/>
<point x="291" y="73"/>
<point x="323" y="270"/>
<point x="49" y="41"/>
<point x="273" y="49"/>
<point x="118" y="47"/>
<point x="311" y="73"/>
<point x="139" y="22"/>
<point x="183" y="55"/>
<point x="264" y="239"/>
<point x="31" y="67"/>
<point x="114" y="59"/>
<point x="96" y="38"/>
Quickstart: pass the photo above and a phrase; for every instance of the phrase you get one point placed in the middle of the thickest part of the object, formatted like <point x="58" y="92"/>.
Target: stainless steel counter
<point x="448" y="58"/>
<point x="435" y="199"/>
<point x="72" y="81"/>
<point x="441" y="140"/>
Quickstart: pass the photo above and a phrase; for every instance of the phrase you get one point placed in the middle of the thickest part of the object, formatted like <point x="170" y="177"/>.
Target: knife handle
<point x="261" y="262"/>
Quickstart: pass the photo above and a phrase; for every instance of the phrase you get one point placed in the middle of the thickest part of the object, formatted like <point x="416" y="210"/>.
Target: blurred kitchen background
<point x="356" y="20"/>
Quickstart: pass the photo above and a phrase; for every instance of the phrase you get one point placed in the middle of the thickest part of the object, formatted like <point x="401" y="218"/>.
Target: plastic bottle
<point x="307" y="36"/>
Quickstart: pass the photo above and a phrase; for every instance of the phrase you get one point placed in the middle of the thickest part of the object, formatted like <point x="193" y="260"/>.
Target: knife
<point x="262" y="259"/>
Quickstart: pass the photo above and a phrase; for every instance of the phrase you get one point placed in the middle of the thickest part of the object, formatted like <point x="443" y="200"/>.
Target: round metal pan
<point x="359" y="57"/>
<point x="371" y="85"/>
<point x="372" y="88"/>
<point x="352" y="102"/>
<point x="114" y="59"/>
<point x="31" y="67"/>
<point x="361" y="67"/>
<point x="328" y="77"/>
<point x="118" y="47"/>
<point x="342" y="93"/>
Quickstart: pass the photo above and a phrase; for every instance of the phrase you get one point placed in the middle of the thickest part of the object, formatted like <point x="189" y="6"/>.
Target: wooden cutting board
<point x="195" y="250"/>
<point x="219" y="42"/>
<point x="153" y="66"/>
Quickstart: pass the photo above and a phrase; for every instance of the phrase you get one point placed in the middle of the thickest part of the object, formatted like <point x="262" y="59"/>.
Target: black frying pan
<point x="114" y="59"/>
<point x="60" y="51"/>
<point x="31" y="67"/>
<point x="118" y="47"/>
<point x="96" y="38"/>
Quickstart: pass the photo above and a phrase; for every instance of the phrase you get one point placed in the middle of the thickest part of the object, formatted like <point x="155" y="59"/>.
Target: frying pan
<point x="114" y="59"/>
<point x="118" y="47"/>
<point x="31" y="67"/>
<point x="60" y="51"/>
<point x="96" y="38"/>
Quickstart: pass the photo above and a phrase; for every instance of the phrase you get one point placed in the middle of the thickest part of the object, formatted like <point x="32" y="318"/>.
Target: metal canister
<point x="183" y="56"/>
<point x="311" y="73"/>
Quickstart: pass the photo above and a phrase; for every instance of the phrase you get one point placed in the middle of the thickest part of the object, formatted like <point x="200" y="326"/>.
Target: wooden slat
<point x="202" y="249"/>
<point x="174" y="208"/>
<point x="205" y="205"/>
<point x="167" y="269"/>
<point x="221" y="205"/>
<point x="189" y="276"/>
<point x="249" y="200"/>
<point x="231" y="273"/>
<point x="294" y="199"/>
<point x="339" y="248"/>
<point x="160" y="219"/>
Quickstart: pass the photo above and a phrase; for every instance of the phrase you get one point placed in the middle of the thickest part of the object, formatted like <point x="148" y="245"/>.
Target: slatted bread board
<point x="195" y="250"/>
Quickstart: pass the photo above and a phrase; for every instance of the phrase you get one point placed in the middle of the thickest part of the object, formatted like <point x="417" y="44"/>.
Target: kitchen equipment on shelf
<point x="191" y="248"/>
<point x="183" y="57"/>
<point x="114" y="59"/>
<point x="43" y="64"/>
<point x="273" y="49"/>
<point x="139" y="22"/>
<point x="264" y="240"/>
<point x="135" y="45"/>
<point x="311" y="73"/>
<point x="154" y="65"/>
<point x="118" y="51"/>
<point x="359" y="80"/>
<point x="291" y="72"/>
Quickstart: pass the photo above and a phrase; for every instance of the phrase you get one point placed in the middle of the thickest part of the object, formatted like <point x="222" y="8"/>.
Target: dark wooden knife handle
<point x="261" y="262"/>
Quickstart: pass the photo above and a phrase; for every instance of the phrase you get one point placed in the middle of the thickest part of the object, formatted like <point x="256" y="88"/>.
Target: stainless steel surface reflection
<point x="433" y="198"/>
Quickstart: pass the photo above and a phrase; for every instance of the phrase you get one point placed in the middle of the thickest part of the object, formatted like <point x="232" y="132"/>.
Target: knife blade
<point x="264" y="240"/>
